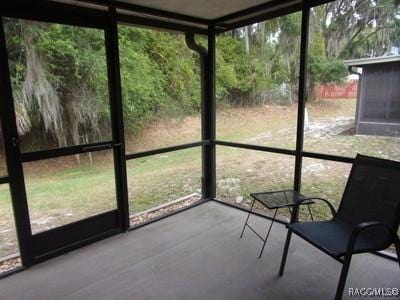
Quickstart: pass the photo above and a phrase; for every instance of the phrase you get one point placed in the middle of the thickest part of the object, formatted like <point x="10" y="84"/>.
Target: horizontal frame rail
<point x="256" y="147"/>
<point x="330" y="157"/>
<point x="4" y="179"/>
<point x="166" y="149"/>
<point x="55" y="12"/>
<point x="58" y="152"/>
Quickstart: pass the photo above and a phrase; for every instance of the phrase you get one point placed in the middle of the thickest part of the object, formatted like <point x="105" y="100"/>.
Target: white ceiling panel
<point x="205" y="9"/>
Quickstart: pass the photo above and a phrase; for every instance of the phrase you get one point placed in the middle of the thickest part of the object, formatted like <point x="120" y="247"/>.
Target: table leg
<point x="290" y="210"/>
<point x="309" y="210"/>
<point x="269" y="230"/>
<point x="247" y="219"/>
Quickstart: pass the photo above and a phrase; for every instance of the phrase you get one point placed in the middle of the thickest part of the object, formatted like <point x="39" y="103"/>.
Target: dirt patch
<point x="165" y="132"/>
<point x="325" y="128"/>
<point x="164" y="209"/>
<point x="9" y="264"/>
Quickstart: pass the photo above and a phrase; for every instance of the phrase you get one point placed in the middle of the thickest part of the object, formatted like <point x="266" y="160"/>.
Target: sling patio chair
<point x="367" y="219"/>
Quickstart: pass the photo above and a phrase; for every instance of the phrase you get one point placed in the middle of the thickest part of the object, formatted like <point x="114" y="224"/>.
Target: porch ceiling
<point x="224" y="14"/>
<point x="205" y="9"/>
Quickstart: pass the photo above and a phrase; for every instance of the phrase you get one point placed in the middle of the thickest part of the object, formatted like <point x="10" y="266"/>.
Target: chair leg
<point x="397" y="246"/>
<point x="343" y="276"/>
<point x="285" y="252"/>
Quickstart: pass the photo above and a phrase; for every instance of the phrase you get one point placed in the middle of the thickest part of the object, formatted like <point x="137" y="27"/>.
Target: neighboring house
<point x="378" y="97"/>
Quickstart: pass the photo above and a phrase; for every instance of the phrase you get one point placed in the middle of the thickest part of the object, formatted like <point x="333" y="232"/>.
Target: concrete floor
<point x="196" y="254"/>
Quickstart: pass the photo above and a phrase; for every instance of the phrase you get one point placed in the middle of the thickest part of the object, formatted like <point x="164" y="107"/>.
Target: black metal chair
<point x="367" y="219"/>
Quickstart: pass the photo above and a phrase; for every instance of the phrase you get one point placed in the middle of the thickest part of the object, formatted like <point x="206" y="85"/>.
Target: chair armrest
<point x="333" y="211"/>
<point x="362" y="226"/>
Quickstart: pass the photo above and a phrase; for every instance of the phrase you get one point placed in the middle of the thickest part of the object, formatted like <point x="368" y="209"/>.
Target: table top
<point x="278" y="199"/>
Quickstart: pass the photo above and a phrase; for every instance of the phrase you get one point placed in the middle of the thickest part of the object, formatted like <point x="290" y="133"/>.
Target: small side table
<point x="275" y="200"/>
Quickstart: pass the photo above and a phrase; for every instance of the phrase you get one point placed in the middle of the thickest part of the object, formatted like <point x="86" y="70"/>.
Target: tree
<point x="361" y="28"/>
<point x="322" y="68"/>
<point x="60" y="86"/>
<point x="59" y="82"/>
<point x="338" y="30"/>
<point x="347" y="29"/>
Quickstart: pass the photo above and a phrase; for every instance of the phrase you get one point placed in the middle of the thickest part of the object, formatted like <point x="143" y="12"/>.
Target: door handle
<point x="15" y="141"/>
<point x="100" y="147"/>
<point x="97" y="148"/>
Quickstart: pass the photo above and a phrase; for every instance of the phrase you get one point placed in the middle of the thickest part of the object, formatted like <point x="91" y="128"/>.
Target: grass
<point x="164" y="177"/>
<point x="274" y="126"/>
<point x="61" y="191"/>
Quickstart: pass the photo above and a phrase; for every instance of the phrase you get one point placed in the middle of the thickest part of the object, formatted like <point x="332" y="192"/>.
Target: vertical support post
<point x="114" y="84"/>
<point x="209" y="119"/>
<point x="207" y="68"/>
<point x="305" y="20"/>
<point x="12" y="151"/>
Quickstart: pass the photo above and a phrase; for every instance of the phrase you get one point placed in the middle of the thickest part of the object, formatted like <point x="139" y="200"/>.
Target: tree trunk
<point x="247" y="39"/>
<point x="306" y="120"/>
